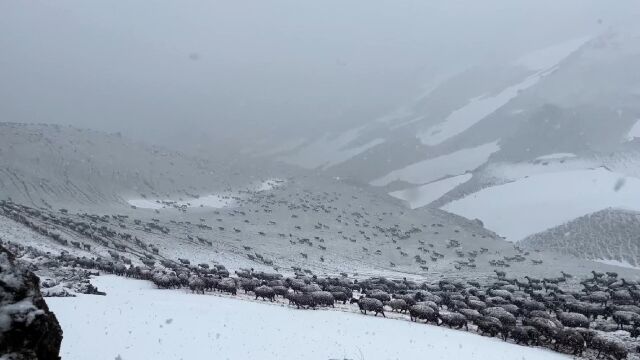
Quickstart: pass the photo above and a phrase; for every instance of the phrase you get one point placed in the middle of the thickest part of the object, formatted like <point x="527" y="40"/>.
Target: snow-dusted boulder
<point x="28" y="330"/>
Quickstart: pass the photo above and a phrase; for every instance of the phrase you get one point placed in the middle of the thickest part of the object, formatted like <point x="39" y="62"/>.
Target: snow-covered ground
<point x="556" y="156"/>
<point x="536" y="203"/>
<point x="136" y="321"/>
<point x="424" y="195"/>
<point x="212" y="201"/>
<point x="622" y="264"/>
<point x="453" y="164"/>
<point x="209" y="201"/>
<point x="474" y="111"/>
<point x="508" y="171"/>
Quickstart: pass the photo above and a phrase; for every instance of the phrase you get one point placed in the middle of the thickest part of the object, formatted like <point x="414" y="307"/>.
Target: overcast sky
<point x="176" y="70"/>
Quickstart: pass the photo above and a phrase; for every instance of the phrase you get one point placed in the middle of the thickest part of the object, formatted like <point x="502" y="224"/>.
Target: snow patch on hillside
<point x="635" y="131"/>
<point x="508" y="171"/>
<point x="556" y="156"/>
<point x="536" y="203"/>
<point x="210" y="201"/>
<point x="327" y="152"/>
<point x="426" y="194"/>
<point x="477" y="109"/>
<point x="136" y="321"/>
<point x="622" y="264"/>
<point x="551" y="56"/>
<point x="456" y="163"/>
<point x="541" y="62"/>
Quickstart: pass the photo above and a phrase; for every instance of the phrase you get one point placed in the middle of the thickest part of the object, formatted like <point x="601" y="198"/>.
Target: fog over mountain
<point x="225" y="75"/>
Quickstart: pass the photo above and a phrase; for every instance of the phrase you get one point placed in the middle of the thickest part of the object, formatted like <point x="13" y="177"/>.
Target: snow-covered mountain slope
<point x="553" y="100"/>
<point x="524" y="146"/>
<point x="292" y="219"/>
<point x="46" y="164"/>
<point x="610" y="234"/>
<point x="429" y="126"/>
<point x="426" y="171"/>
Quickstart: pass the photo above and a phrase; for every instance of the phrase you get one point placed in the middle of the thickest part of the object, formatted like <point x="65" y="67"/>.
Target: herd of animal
<point x="599" y="315"/>
<point x="536" y="312"/>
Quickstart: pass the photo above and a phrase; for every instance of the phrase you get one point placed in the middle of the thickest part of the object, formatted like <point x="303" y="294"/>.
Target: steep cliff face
<point x="28" y="330"/>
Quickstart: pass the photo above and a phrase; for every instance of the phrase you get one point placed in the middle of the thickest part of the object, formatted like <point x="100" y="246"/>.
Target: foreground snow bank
<point x="136" y="321"/>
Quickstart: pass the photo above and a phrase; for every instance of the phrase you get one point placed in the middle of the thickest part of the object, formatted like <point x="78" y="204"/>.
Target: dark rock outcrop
<point x="28" y="330"/>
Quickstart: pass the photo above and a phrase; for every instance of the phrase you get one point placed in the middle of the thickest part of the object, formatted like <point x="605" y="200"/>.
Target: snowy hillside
<point x="290" y="219"/>
<point x="50" y="164"/>
<point x="610" y="234"/>
<point x="144" y="322"/>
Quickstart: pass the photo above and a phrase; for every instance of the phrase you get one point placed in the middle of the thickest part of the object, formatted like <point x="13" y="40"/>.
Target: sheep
<point x="621" y="297"/>
<point x="506" y="318"/>
<point x="423" y="312"/>
<point x="546" y="327"/>
<point x="432" y="297"/>
<point x="228" y="285"/>
<point x="501" y="293"/>
<point x="631" y="308"/>
<point x="511" y="308"/>
<point x="525" y="334"/>
<point x="249" y="284"/>
<point x="304" y="300"/>
<point x="489" y="325"/>
<point x="296" y="284"/>
<point x="430" y="304"/>
<point x="571" y="319"/>
<point x="341" y="296"/>
<point x="598" y="297"/>
<point x="398" y="305"/>
<point x="531" y="305"/>
<point x="470" y="313"/>
<point x="323" y="298"/>
<point x="265" y="292"/>
<point x="408" y="298"/>
<point x="610" y="346"/>
<point x="311" y="288"/>
<point x="380" y="295"/>
<point x="570" y="338"/>
<point x="539" y="313"/>
<point x="280" y="290"/>
<point x="370" y="304"/>
<point x="196" y="284"/>
<point x="476" y="304"/>
<point x="626" y="318"/>
<point x="453" y="319"/>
